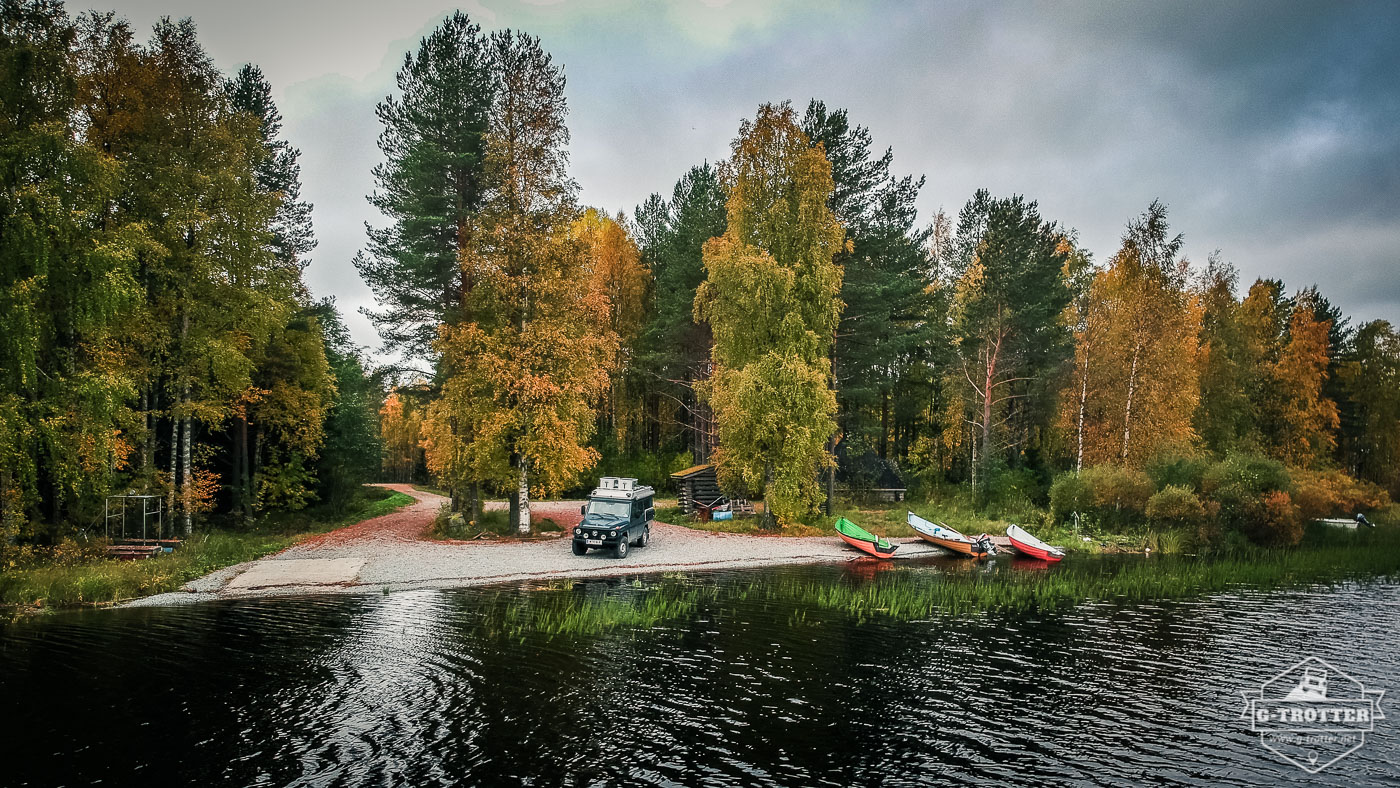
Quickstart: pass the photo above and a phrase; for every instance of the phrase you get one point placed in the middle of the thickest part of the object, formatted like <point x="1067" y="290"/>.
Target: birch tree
<point x="771" y="298"/>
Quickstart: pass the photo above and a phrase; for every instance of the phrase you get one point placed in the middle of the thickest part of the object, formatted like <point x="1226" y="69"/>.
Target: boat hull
<point x="954" y="541"/>
<point x="867" y="547"/>
<point x="1031" y="551"/>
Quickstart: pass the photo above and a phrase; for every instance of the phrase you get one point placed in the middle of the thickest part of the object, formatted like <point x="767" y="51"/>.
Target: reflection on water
<point x="743" y="678"/>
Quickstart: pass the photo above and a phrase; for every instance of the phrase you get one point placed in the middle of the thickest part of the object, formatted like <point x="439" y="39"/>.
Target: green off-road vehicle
<point x="617" y="516"/>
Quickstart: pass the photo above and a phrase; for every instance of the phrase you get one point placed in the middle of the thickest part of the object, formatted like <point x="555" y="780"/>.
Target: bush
<point x="1281" y="523"/>
<point x="1069" y="494"/>
<point x="1241" y="487"/>
<point x="1168" y="470"/>
<point x="1320" y="494"/>
<point x="1175" y="506"/>
<point x="1108" y="496"/>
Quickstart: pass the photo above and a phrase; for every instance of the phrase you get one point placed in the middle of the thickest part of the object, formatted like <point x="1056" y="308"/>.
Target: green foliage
<point x="1182" y="471"/>
<point x="1108" y="497"/>
<point x="350" y="455"/>
<point x="1251" y="493"/>
<point x="771" y="299"/>
<point x="89" y="579"/>
<point x="674" y="351"/>
<point x="430" y="184"/>
<point x="1173" y="507"/>
<point x="890" y="320"/>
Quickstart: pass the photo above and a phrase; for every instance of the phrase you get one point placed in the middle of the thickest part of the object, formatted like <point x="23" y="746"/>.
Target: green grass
<point x="103" y="580"/>
<point x="890" y="520"/>
<point x="912" y="593"/>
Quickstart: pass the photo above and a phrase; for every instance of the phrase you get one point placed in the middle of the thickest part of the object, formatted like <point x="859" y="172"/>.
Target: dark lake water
<point x="707" y="679"/>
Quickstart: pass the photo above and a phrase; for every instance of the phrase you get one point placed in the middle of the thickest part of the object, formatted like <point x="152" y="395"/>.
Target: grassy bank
<point x="920" y="592"/>
<point x="89" y="580"/>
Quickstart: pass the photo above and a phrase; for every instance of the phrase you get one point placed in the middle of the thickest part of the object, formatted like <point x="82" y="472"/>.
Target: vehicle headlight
<point x="612" y="533"/>
<point x="578" y="531"/>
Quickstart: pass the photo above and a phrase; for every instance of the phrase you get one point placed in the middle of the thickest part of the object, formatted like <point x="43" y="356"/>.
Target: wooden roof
<point x="691" y="471"/>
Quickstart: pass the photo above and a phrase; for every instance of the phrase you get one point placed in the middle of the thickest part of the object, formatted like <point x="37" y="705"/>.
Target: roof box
<point x="620" y="487"/>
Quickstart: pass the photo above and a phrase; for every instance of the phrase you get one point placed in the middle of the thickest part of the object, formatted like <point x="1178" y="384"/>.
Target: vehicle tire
<point x="646" y="537"/>
<point x="580" y="549"/>
<point x="622" y="549"/>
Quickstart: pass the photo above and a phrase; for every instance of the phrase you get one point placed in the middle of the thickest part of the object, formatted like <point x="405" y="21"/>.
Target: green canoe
<point x="863" y="540"/>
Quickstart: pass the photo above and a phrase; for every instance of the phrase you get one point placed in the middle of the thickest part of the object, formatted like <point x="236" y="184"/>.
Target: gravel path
<point x="389" y="553"/>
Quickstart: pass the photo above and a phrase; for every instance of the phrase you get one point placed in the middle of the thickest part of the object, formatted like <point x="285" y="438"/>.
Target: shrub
<point x="1069" y="494"/>
<point x="1281" y="523"/>
<point x="1175" y="470"/>
<point x="1240" y="486"/>
<point x="1320" y="494"/>
<point x="1107" y="495"/>
<point x="1119" y="494"/>
<point x="1175" y="506"/>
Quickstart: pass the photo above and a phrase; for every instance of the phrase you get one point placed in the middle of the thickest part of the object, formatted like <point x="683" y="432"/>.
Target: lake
<point x="700" y="679"/>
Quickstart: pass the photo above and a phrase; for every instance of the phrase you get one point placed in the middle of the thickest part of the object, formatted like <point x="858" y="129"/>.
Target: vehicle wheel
<point x="580" y="549"/>
<point x="646" y="537"/>
<point x="621" y="550"/>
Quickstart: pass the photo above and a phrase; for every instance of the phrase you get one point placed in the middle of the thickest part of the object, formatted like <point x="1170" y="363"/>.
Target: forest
<point x="784" y="314"/>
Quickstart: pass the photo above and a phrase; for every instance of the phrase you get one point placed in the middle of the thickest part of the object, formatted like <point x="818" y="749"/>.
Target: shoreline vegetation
<point x="81" y="575"/>
<point x="966" y="588"/>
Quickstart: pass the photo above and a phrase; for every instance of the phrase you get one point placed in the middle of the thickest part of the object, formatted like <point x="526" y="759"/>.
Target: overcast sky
<point x="1271" y="130"/>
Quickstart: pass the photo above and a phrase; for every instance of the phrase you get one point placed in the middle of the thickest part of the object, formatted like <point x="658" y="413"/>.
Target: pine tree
<point x="430" y="185"/>
<point x="1009" y="299"/>
<point x="526" y="367"/>
<point x="886" y="286"/>
<point x="674" y="351"/>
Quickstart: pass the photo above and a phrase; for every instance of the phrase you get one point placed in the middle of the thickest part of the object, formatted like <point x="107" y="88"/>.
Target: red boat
<point x="1031" y="547"/>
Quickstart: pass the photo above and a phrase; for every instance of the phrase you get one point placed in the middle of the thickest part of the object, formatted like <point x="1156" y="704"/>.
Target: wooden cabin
<point x="697" y="487"/>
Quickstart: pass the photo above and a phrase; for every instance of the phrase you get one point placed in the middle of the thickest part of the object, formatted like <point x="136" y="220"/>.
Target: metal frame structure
<point x="146" y="511"/>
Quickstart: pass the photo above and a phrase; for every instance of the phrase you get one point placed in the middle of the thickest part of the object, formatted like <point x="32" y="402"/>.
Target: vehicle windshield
<point x="610" y="508"/>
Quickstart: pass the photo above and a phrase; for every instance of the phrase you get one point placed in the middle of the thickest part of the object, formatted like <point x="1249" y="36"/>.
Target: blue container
<point x="724" y="515"/>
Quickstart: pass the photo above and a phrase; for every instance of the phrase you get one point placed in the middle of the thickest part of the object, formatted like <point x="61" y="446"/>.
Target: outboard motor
<point x="985" y="545"/>
<point x="1361" y="518"/>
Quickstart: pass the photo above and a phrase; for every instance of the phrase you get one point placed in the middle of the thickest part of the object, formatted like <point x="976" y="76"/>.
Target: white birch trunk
<point x="174" y="462"/>
<point x="524" y="496"/>
<point x="1128" y="409"/>
<point x="1083" y="399"/>
<point x="187" y="472"/>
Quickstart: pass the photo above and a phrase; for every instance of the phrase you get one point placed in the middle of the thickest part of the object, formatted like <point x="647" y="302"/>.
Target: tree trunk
<point x="1128" y="409"/>
<point x="174" y="461"/>
<point x="524" y="527"/>
<point x="146" y="441"/>
<point x="474" y="492"/>
<point x="247" y="480"/>
<point x="1083" y="401"/>
<point x="830" y="505"/>
<point x="186" y="470"/>
<point x="770" y="521"/>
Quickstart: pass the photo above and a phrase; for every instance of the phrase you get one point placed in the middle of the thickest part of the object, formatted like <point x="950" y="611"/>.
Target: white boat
<point x="949" y="539"/>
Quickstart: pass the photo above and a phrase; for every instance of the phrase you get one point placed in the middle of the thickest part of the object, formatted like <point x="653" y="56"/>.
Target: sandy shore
<point x="389" y="553"/>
